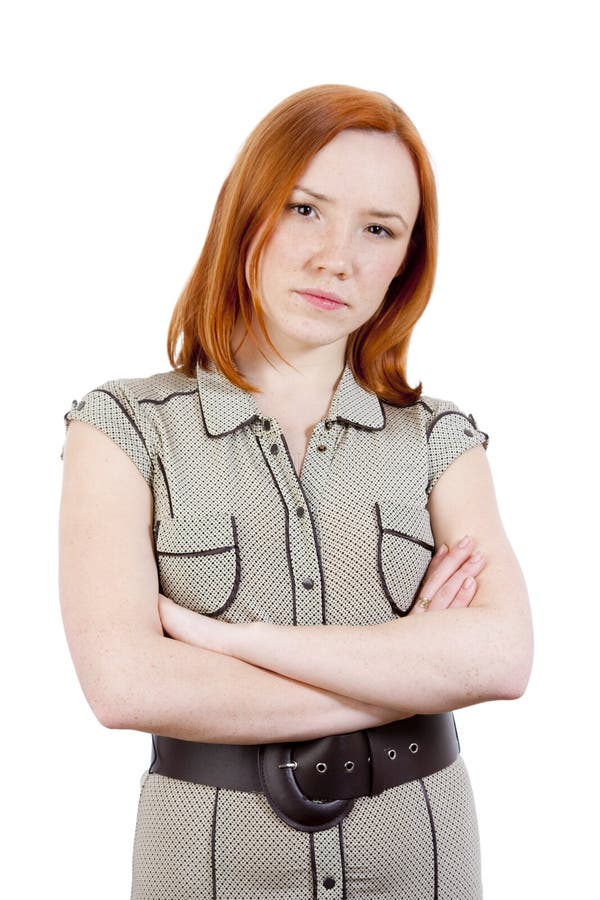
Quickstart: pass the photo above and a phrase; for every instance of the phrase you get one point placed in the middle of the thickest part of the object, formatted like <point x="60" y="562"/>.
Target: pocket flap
<point x="410" y="522"/>
<point x="195" y="537"/>
<point x="199" y="561"/>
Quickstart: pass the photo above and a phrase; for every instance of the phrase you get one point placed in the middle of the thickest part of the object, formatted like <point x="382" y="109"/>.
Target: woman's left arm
<point x="434" y="662"/>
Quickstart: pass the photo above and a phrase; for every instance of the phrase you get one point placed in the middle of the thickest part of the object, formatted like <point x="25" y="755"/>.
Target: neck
<point x="308" y="369"/>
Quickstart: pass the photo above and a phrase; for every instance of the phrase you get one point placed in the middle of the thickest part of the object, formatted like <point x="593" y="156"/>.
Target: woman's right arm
<point x="131" y="674"/>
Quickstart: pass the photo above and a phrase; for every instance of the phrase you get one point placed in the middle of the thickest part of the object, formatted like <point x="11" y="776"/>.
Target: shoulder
<point x="140" y="397"/>
<point x="427" y="410"/>
<point x="439" y="412"/>
<point x="131" y="410"/>
<point x="151" y="389"/>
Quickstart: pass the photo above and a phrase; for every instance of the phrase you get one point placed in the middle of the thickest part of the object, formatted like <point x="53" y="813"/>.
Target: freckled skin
<point x="334" y="245"/>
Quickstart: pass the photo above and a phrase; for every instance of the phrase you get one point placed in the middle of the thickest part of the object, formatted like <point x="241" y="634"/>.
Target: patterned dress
<point x="239" y="536"/>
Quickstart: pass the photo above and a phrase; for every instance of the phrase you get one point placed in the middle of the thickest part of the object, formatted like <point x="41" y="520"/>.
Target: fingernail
<point x="465" y="540"/>
<point x="468" y="582"/>
<point x="441" y="550"/>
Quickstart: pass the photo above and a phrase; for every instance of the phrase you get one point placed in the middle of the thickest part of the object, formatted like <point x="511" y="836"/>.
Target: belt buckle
<point x="276" y="773"/>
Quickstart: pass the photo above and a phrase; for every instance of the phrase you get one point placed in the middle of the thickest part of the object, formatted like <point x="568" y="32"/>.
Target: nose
<point x="333" y="252"/>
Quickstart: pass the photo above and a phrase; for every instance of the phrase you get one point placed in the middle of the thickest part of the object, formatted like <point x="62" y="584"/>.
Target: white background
<point x="121" y="120"/>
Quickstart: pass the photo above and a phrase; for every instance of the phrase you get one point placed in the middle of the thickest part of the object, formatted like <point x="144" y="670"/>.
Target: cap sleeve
<point x="449" y="433"/>
<point x="113" y="409"/>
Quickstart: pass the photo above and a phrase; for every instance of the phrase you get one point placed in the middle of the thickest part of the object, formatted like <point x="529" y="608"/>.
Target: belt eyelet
<point x="391" y="754"/>
<point x="321" y="767"/>
<point x="414" y="748"/>
<point x="349" y="766"/>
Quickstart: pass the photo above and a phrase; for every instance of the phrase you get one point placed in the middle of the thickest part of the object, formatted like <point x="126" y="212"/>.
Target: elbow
<point x="514" y="673"/>
<point x="108" y="709"/>
<point x="115" y="699"/>
<point x="513" y="685"/>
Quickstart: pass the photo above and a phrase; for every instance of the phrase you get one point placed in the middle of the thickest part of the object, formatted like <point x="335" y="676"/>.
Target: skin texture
<point x="333" y="246"/>
<point x="147" y="664"/>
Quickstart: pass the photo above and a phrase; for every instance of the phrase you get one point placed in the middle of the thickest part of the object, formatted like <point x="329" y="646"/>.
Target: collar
<point x="226" y="407"/>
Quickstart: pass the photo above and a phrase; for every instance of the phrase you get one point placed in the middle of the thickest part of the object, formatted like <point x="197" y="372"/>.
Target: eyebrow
<point x="381" y="214"/>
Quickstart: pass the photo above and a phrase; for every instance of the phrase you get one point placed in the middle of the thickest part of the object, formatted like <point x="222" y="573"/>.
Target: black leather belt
<point x="312" y="784"/>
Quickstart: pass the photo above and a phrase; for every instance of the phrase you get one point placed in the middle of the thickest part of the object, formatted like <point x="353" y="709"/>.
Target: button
<point x="299" y="511"/>
<point x="308" y="583"/>
<point x="267" y="424"/>
<point x="328" y="424"/>
<point x="468" y="433"/>
<point x="329" y="882"/>
<point x="81" y="404"/>
<point x="74" y="404"/>
<point x="274" y="449"/>
<point x="322" y="447"/>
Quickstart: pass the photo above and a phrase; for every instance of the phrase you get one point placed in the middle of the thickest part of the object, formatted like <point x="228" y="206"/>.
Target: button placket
<point x="305" y="570"/>
<point x="319" y="459"/>
<point x="328" y="865"/>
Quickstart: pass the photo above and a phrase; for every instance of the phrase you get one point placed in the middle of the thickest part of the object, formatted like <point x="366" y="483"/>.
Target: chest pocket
<point x="404" y="551"/>
<point x="199" y="562"/>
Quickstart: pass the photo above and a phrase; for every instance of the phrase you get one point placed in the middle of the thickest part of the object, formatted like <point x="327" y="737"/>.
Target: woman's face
<point x="344" y="230"/>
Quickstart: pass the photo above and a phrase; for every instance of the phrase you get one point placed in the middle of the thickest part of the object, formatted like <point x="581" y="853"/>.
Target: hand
<point x="444" y="580"/>
<point x="194" y="628"/>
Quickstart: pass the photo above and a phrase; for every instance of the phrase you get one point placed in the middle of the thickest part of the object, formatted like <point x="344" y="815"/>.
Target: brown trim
<point x="433" y="839"/>
<point x="314" y="530"/>
<point x="126" y="414"/>
<point x="409" y="537"/>
<point x="381" y="531"/>
<point x="218" y="434"/>
<point x="313" y="865"/>
<point x="211" y="552"/>
<point x="361" y="427"/>
<point x="342" y="858"/>
<point x="287" y="532"/>
<point x="168" y="397"/>
<point x="166" y="481"/>
<point x="213" y="846"/>
<point x="449" y="412"/>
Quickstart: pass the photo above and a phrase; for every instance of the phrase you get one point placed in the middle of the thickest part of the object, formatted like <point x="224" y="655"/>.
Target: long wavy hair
<point x="254" y="194"/>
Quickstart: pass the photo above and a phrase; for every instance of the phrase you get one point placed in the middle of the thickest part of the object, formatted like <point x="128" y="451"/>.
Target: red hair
<point x="254" y="194"/>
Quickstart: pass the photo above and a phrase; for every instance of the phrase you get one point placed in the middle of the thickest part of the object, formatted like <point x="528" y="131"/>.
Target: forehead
<point x="371" y="168"/>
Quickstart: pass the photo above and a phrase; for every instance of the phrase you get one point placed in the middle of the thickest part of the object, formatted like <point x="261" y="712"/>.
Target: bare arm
<point x="132" y="675"/>
<point x="439" y="661"/>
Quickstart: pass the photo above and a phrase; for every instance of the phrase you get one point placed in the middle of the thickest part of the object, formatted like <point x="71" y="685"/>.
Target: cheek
<point x="380" y="272"/>
<point x="280" y="258"/>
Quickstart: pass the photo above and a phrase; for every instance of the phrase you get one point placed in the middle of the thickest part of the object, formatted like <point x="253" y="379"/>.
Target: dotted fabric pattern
<point x="240" y="536"/>
<point x="457" y="836"/>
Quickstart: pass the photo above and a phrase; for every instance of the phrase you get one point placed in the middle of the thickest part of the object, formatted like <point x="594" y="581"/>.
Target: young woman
<point x="286" y="477"/>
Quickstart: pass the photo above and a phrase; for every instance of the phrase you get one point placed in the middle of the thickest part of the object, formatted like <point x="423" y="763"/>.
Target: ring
<point x="424" y="602"/>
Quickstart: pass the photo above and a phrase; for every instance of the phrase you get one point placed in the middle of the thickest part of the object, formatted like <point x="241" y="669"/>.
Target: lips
<point x="325" y="295"/>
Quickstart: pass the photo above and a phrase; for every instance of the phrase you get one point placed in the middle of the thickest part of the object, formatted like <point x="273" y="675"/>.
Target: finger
<point x="435" y="584"/>
<point x="447" y="593"/>
<point x="443" y="566"/>
<point x="465" y="594"/>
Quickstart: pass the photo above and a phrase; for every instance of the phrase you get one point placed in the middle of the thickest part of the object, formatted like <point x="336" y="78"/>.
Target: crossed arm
<point x="441" y="660"/>
<point x="232" y="686"/>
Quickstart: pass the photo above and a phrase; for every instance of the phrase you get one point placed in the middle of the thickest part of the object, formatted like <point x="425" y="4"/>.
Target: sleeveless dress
<point x="239" y="536"/>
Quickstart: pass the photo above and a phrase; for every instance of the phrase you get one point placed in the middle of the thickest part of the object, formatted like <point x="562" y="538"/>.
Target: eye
<point x="383" y="232"/>
<point x="300" y="206"/>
